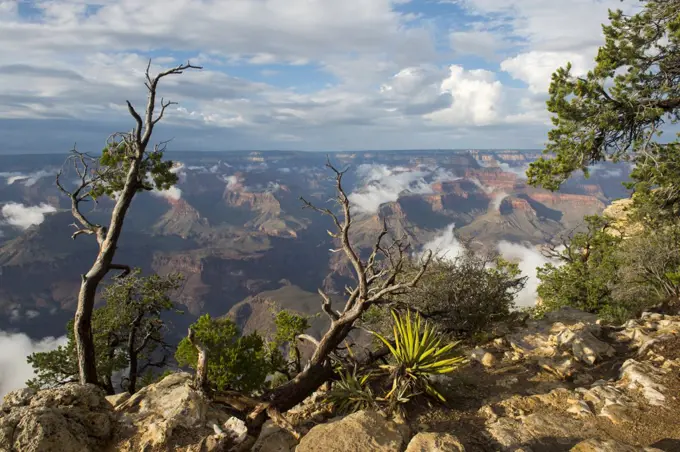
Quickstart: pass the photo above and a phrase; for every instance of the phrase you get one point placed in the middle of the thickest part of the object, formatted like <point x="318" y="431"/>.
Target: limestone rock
<point x="166" y="414"/>
<point x="435" y="442"/>
<point x="645" y="377"/>
<point x="364" y="431"/>
<point x="484" y="357"/>
<point x="117" y="399"/>
<point x="274" y="439"/>
<point x="69" y="418"/>
<point x="596" y="445"/>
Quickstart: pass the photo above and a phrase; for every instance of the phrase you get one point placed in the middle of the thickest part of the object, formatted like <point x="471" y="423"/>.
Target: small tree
<point x="649" y="272"/>
<point x="235" y="362"/>
<point x="125" y="168"/>
<point x="617" y="110"/>
<point x="127" y="332"/>
<point x="587" y="276"/>
<point x="289" y="326"/>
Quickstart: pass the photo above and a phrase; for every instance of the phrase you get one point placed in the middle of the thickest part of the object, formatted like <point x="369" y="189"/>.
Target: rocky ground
<point x="563" y="383"/>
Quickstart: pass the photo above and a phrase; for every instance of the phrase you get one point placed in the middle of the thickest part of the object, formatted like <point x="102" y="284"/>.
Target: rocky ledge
<point x="562" y="383"/>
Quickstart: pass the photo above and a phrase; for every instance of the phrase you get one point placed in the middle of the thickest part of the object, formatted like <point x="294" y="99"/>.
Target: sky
<point x="317" y="75"/>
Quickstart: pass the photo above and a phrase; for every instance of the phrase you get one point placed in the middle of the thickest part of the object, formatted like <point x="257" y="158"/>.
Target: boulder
<point x="170" y="413"/>
<point x="364" y="431"/>
<point x="117" y="399"/>
<point x="581" y="339"/>
<point x="70" y="418"/>
<point x="435" y="442"/>
<point x="646" y="378"/>
<point x="274" y="439"/>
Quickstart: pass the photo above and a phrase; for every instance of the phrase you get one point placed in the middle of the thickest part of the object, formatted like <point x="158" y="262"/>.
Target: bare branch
<point x="125" y="269"/>
<point x="326" y="306"/>
<point x="164" y="105"/>
<point x="138" y="121"/>
<point x="308" y="338"/>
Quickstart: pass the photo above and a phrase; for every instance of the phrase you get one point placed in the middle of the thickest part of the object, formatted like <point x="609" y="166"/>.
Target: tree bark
<point x="201" y="377"/>
<point x="133" y="355"/>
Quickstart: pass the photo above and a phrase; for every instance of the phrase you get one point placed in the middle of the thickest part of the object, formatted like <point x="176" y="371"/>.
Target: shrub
<point x="462" y="296"/>
<point x="587" y="276"/>
<point x="235" y="362"/>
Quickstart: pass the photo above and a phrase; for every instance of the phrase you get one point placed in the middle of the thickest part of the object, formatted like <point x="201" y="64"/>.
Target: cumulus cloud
<point x="14" y="370"/>
<point x="382" y="184"/>
<point x="535" y="67"/>
<point x="375" y="80"/>
<point x="528" y="259"/>
<point x="476" y="96"/>
<point x="23" y="216"/>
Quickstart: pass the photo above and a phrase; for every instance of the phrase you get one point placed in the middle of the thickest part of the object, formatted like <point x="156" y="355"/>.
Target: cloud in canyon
<point x="14" y="370"/>
<point x="23" y="216"/>
<point x="381" y="184"/>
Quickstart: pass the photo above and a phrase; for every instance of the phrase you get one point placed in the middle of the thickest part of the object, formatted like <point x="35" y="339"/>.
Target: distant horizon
<point x="295" y="151"/>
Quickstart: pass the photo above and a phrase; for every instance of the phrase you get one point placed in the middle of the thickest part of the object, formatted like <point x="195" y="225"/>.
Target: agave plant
<point x="417" y="355"/>
<point x="351" y="393"/>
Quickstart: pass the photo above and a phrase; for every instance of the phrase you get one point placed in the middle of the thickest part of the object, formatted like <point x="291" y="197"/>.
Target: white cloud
<point x="173" y="193"/>
<point x="445" y="245"/>
<point x="476" y="97"/>
<point x="23" y="216"/>
<point x="382" y="184"/>
<point x="28" y="179"/>
<point x="605" y="171"/>
<point x="341" y="74"/>
<point x="14" y="370"/>
<point x="497" y="199"/>
<point x="528" y="259"/>
<point x="233" y="182"/>
<point x="536" y="67"/>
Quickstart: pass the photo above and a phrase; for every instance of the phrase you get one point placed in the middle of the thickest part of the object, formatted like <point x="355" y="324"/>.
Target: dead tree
<point x="378" y="279"/>
<point x="123" y="177"/>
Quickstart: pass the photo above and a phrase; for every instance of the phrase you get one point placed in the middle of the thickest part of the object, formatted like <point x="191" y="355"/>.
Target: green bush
<point x="462" y="297"/>
<point x="235" y="362"/>
<point x="587" y="274"/>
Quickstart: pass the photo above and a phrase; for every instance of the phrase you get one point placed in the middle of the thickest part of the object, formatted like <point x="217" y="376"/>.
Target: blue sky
<point x="292" y="74"/>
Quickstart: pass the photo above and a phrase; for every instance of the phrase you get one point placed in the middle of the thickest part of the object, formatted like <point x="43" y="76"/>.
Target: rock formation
<point x="561" y="383"/>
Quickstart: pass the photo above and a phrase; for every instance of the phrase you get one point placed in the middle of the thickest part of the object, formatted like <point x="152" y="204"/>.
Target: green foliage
<point x="588" y="271"/>
<point x="235" y="362"/>
<point x="352" y="392"/>
<point x="616" y="110"/>
<point x="417" y="354"/>
<point x="650" y="269"/>
<point x="463" y="296"/>
<point x="115" y="162"/>
<point x="289" y="326"/>
<point x="612" y="275"/>
<point x="127" y="326"/>
<point x="56" y="367"/>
